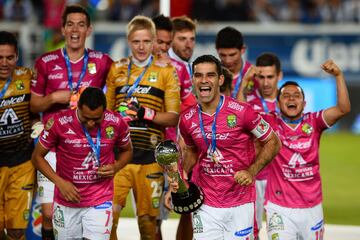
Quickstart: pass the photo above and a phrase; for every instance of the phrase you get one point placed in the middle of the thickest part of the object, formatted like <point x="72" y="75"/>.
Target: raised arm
<point x="342" y="107"/>
<point x="243" y="90"/>
<point x="42" y="103"/>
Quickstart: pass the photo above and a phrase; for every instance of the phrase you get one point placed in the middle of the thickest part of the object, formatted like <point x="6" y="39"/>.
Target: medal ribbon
<point x="5" y="88"/>
<point x="69" y="72"/>
<point x="95" y="148"/>
<point x="213" y="127"/>
<point x="137" y="81"/>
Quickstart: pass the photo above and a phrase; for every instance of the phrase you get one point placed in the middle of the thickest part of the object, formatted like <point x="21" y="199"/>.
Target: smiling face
<point x="291" y="102"/>
<point x="141" y="44"/>
<point x="207" y="82"/>
<point x="76" y="30"/>
<point x="8" y="58"/>
<point x="268" y="79"/>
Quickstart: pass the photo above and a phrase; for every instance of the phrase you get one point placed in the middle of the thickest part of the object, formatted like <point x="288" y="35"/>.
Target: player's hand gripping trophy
<point x="188" y="197"/>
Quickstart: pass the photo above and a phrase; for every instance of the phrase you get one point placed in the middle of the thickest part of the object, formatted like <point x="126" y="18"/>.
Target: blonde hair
<point x="140" y="23"/>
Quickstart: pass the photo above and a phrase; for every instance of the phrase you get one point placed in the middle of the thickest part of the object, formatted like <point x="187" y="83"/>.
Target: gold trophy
<point x="189" y="197"/>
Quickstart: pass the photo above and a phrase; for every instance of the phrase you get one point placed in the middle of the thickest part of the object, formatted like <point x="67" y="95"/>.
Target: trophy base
<point x="189" y="201"/>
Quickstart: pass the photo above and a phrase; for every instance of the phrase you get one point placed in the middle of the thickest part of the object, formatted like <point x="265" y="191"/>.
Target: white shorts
<point x="260" y="186"/>
<point x="224" y="223"/>
<point x="294" y="223"/>
<point x="77" y="223"/>
<point x="45" y="186"/>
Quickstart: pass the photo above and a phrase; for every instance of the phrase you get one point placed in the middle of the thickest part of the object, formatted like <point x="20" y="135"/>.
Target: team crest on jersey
<point x="307" y="128"/>
<point x="276" y="223"/>
<point x="19" y="85"/>
<point x="110" y="132"/>
<point x="231" y="120"/>
<point x="92" y="68"/>
<point x="59" y="219"/>
<point x="49" y="123"/>
<point x="153" y="77"/>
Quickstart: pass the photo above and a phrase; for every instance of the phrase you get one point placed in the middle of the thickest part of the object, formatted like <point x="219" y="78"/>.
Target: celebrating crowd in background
<point x="95" y="122"/>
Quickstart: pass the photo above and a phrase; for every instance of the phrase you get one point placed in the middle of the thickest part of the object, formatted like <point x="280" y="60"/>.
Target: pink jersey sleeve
<point x="38" y="86"/>
<point x="124" y="133"/>
<point x="257" y="125"/>
<point x="182" y="126"/>
<point x="49" y="137"/>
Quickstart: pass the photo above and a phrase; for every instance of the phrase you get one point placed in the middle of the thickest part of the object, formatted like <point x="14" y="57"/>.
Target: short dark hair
<point x="92" y="97"/>
<point x="229" y="37"/>
<point x="228" y="78"/>
<point x="288" y="83"/>
<point x="208" y="59"/>
<point x="268" y="59"/>
<point x="75" y="8"/>
<point x="183" y="23"/>
<point x="7" y="38"/>
<point x="163" y="23"/>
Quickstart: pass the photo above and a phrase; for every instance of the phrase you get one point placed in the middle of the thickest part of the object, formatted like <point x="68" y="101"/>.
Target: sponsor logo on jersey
<point x="70" y="132"/>
<point x="56" y="76"/>
<point x="111" y="118"/>
<point x="92" y="68"/>
<point x="95" y="55"/>
<point x="190" y="114"/>
<point x="235" y="106"/>
<point x="57" y="67"/>
<point x="49" y="58"/>
<point x="153" y="77"/>
<point x="244" y="232"/>
<point x="110" y="132"/>
<point x="10" y="124"/>
<point x="298" y="145"/>
<point x="142" y="90"/>
<point x="65" y="119"/>
<point x="296" y="160"/>
<point x="193" y="125"/>
<point x="12" y="101"/>
<point x="231" y="120"/>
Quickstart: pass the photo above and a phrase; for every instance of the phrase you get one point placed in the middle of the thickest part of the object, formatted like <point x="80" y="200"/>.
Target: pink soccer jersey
<point x="237" y="125"/>
<point x="294" y="179"/>
<point x="76" y="161"/>
<point x="187" y="98"/>
<point x="255" y="100"/>
<point x="52" y="74"/>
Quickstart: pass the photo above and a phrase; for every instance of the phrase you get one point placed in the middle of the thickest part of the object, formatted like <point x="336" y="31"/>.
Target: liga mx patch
<point x="276" y="223"/>
<point x="49" y="123"/>
<point x="231" y="120"/>
<point x="261" y="128"/>
<point x="59" y="219"/>
<point x="197" y="223"/>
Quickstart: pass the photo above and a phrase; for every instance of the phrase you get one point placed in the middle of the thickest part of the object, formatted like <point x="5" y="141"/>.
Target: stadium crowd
<point x="90" y="124"/>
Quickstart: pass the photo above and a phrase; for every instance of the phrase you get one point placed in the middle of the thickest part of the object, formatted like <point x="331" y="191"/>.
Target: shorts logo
<point x="231" y="121"/>
<point x="26" y="215"/>
<point x="275" y="236"/>
<point x="153" y="139"/>
<point x="92" y="68"/>
<point x="155" y="202"/>
<point x="307" y="128"/>
<point x="197" y="224"/>
<point x="244" y="232"/>
<point x="41" y="191"/>
<point x="59" y="219"/>
<point x="276" y="223"/>
<point x="153" y="77"/>
<point x="110" y="132"/>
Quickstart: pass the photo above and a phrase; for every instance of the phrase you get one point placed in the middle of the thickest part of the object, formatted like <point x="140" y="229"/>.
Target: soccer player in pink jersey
<point x="84" y="139"/>
<point x="293" y="192"/>
<point x="230" y="47"/>
<point x="219" y="134"/>
<point x="268" y="73"/>
<point x="61" y="75"/>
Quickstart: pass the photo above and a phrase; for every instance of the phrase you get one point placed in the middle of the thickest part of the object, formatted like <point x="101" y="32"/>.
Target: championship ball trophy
<point x="188" y="198"/>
